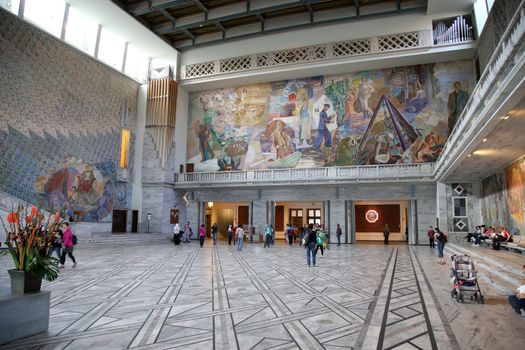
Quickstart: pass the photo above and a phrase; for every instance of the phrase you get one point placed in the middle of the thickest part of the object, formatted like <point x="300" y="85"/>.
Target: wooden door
<point x="279" y="218"/>
<point x="243" y="215"/>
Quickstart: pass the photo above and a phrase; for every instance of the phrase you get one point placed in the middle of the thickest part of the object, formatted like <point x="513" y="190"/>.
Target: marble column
<point x="441" y="206"/>
<point x="412" y="226"/>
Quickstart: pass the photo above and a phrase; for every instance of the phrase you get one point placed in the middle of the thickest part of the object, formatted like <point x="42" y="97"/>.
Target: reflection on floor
<point x="161" y="296"/>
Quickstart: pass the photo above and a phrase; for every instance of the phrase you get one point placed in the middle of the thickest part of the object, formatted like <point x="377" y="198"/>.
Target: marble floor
<point x="154" y="295"/>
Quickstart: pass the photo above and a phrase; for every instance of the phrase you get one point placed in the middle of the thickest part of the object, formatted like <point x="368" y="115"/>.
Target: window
<point x="10" y="5"/>
<point x="136" y="64"/>
<point x="124" y="148"/>
<point x="49" y="14"/>
<point x="81" y="32"/>
<point x="314" y="216"/>
<point x="111" y="49"/>
<point x="296" y="217"/>
<point x="460" y="207"/>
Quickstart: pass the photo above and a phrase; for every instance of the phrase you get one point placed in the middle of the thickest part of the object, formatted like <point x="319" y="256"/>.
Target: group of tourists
<point x="483" y="233"/>
<point x="63" y="244"/>
<point x="235" y="233"/>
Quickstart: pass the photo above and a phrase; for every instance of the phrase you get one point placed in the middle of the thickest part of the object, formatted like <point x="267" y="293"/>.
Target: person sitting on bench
<point x="503" y="236"/>
<point x="482" y="235"/>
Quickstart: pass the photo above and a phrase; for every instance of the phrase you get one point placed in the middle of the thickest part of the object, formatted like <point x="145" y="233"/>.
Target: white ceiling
<point x="505" y="143"/>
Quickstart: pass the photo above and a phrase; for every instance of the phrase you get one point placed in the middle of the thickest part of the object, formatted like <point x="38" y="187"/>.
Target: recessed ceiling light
<point x="484" y="140"/>
<point x="200" y="25"/>
<point x="470" y="155"/>
<point x="505" y="117"/>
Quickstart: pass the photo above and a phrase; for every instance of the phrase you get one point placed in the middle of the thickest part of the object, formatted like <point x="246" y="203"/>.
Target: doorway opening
<point x="372" y="216"/>
<point x="297" y="214"/>
<point x="224" y="214"/>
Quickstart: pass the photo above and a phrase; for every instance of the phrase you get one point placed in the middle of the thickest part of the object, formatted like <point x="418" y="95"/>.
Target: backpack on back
<point x="74" y="239"/>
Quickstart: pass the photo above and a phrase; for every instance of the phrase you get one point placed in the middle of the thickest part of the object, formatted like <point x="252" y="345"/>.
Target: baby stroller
<point x="464" y="279"/>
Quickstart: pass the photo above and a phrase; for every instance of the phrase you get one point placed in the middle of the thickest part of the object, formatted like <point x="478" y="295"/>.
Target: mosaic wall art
<point x="61" y="115"/>
<point x="504" y="198"/>
<point x="387" y="116"/>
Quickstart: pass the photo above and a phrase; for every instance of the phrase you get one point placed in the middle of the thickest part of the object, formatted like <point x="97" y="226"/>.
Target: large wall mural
<point x="504" y="198"/>
<point x="61" y="115"/>
<point x="387" y="116"/>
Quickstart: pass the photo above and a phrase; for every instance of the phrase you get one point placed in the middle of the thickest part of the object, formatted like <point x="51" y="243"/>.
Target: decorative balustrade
<point x="422" y="171"/>
<point x="342" y="49"/>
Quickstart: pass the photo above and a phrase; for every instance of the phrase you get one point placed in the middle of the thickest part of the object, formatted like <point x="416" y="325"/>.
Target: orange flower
<point x="12" y="218"/>
<point x="57" y="216"/>
<point x="33" y="211"/>
<point x="29" y="219"/>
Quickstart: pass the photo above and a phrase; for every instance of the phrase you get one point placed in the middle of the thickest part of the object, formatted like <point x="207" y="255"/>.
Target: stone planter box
<point x="23" y="315"/>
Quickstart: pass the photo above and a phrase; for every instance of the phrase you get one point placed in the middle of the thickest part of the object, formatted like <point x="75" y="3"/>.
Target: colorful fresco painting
<point x="504" y="198"/>
<point x="78" y="189"/>
<point x="387" y="116"/>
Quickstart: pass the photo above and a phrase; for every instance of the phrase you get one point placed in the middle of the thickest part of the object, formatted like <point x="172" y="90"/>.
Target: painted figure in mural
<point x="384" y="141"/>
<point x="281" y="140"/>
<point x="322" y="129"/>
<point x="364" y="92"/>
<point x="203" y="132"/>
<point x="457" y="101"/>
<point x="304" y="123"/>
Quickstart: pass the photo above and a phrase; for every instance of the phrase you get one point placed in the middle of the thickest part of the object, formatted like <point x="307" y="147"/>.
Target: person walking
<point x="441" y="239"/>
<point x="202" y="235"/>
<point x="430" y="235"/>
<point x="230" y="234"/>
<point x="187" y="232"/>
<point x="272" y="232"/>
<point x="289" y="233"/>
<point x="176" y="234"/>
<point x="338" y="233"/>
<point x="214" y="230"/>
<point x="267" y="236"/>
<point x="67" y="242"/>
<point x="320" y="241"/>
<point x="309" y="245"/>
<point x="386" y="233"/>
<point x="240" y="237"/>
<point x="57" y="244"/>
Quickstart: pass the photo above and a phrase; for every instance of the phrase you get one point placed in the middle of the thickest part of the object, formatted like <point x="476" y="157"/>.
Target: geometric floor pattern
<point x="161" y="296"/>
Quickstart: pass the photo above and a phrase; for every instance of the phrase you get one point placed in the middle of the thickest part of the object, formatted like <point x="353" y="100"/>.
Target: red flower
<point x="12" y="218"/>
<point x="57" y="216"/>
<point x="29" y="219"/>
<point x="33" y="211"/>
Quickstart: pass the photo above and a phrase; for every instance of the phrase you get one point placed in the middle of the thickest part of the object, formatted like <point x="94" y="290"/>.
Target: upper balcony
<point x="415" y="47"/>
<point x="327" y="175"/>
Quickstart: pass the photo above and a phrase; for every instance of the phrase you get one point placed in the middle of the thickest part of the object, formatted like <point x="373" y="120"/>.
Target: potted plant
<point x="30" y="243"/>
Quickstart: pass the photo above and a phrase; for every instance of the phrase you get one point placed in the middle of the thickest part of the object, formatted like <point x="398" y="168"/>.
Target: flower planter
<point x="24" y="282"/>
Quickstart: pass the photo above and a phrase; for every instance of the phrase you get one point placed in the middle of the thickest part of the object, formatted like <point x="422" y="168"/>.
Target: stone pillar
<point x="350" y="231"/>
<point x="259" y="217"/>
<point x="412" y="222"/>
<point x="441" y="206"/>
<point x="337" y="216"/>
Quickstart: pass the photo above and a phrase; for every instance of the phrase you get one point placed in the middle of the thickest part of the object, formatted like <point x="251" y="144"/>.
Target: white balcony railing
<point x="365" y="173"/>
<point x="343" y="49"/>
<point x="505" y="66"/>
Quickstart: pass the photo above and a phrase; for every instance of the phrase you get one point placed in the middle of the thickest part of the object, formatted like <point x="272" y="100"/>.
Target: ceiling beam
<point x="153" y="5"/>
<point x="398" y="5"/>
<point x="311" y="11"/>
<point x="299" y="26"/>
<point x="168" y="16"/>
<point x="202" y="7"/>
<point x="165" y="29"/>
<point x="356" y="4"/>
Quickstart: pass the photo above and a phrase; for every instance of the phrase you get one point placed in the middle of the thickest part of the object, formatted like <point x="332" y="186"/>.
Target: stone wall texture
<point x="59" y="106"/>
